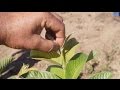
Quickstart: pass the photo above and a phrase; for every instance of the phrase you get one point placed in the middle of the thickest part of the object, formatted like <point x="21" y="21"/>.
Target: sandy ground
<point x="97" y="31"/>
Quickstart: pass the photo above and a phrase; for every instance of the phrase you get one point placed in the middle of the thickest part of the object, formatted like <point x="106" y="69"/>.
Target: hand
<point x="21" y="30"/>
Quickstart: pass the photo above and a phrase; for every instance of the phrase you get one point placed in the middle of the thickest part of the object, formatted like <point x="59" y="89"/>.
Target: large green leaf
<point x="69" y="48"/>
<point x="4" y="63"/>
<point x="102" y="75"/>
<point x="57" y="71"/>
<point x="75" y="66"/>
<point x="53" y="57"/>
<point x="40" y="75"/>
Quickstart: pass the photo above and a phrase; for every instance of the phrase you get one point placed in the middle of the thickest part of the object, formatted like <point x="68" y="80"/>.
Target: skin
<point x="21" y="30"/>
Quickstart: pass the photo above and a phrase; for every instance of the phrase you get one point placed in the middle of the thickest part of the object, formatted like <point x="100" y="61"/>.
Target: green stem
<point x="64" y="60"/>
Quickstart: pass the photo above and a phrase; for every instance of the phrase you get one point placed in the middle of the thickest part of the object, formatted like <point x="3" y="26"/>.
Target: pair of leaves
<point x="73" y="68"/>
<point x="4" y="63"/>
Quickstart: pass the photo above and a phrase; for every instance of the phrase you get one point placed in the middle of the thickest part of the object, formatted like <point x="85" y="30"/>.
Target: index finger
<point x="58" y="27"/>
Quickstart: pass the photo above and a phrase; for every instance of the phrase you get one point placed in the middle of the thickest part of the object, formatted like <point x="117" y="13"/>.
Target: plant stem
<point x="64" y="60"/>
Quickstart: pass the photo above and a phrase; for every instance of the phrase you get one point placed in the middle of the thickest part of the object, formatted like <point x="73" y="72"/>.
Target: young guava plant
<point x="68" y="63"/>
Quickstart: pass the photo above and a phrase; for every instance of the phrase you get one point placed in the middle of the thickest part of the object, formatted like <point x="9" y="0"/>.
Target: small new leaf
<point x="91" y="56"/>
<point x="25" y="69"/>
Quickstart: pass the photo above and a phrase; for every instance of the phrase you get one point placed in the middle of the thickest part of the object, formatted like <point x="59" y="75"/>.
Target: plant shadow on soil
<point x="16" y="65"/>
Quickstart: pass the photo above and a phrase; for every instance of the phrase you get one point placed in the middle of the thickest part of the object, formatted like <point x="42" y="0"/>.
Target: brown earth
<point x="97" y="31"/>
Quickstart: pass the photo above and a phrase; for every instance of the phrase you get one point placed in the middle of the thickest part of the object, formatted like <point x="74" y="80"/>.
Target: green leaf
<point x="66" y="39"/>
<point x="70" y="44"/>
<point x="102" y="75"/>
<point x="57" y="71"/>
<point x="40" y="75"/>
<point x="4" y="63"/>
<point x="71" y="53"/>
<point x="40" y="54"/>
<point x="25" y="69"/>
<point x="53" y="57"/>
<point x="75" y="66"/>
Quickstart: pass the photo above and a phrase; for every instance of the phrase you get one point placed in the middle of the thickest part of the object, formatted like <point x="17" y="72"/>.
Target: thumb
<point x="36" y="42"/>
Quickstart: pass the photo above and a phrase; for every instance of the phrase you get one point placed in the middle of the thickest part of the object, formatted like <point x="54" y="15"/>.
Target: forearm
<point x="2" y="37"/>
